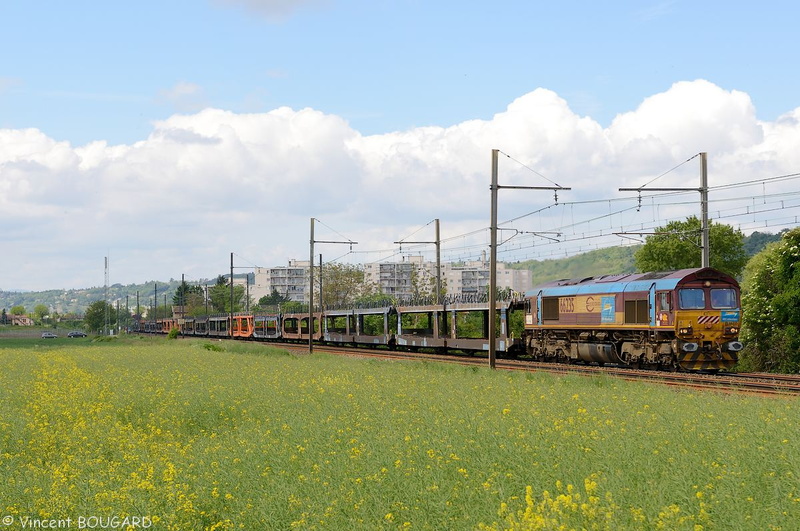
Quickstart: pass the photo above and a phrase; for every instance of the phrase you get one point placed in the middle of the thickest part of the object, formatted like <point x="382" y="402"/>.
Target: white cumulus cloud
<point x="211" y="182"/>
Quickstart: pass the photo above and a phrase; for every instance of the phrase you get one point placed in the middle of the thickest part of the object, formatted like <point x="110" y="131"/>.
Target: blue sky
<point x="87" y="70"/>
<point x="168" y="134"/>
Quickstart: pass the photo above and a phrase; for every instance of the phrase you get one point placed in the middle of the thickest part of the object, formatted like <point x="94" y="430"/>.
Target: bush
<point x="173" y="333"/>
<point x="213" y="348"/>
<point x="771" y="308"/>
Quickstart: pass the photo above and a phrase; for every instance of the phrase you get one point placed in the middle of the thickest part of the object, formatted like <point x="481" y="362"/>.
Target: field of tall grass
<point x="199" y="435"/>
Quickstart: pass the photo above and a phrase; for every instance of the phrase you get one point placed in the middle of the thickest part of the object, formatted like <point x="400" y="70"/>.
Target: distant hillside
<point x="756" y="242"/>
<point x="75" y="301"/>
<point x="590" y="264"/>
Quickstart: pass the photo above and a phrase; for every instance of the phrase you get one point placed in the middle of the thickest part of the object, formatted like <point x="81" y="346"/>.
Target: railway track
<point x="764" y="384"/>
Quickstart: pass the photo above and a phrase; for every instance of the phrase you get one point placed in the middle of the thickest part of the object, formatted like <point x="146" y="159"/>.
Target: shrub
<point x="771" y="307"/>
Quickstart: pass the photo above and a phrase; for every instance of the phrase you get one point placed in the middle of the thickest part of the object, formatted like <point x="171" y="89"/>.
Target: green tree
<point x="771" y="308"/>
<point x="191" y="298"/>
<point x="40" y="311"/>
<point x="343" y="284"/>
<point x="195" y="304"/>
<point x="677" y="246"/>
<point x="181" y="296"/>
<point x="274" y="299"/>
<point x="423" y="284"/>
<point x="375" y="298"/>
<point x="220" y="296"/>
<point x="95" y="317"/>
<point x="18" y="310"/>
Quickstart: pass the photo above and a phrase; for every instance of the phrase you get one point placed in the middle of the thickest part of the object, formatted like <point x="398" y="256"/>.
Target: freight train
<point x="677" y="320"/>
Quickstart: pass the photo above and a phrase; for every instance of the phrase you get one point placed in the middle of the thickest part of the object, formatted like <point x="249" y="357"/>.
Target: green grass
<point x="250" y="437"/>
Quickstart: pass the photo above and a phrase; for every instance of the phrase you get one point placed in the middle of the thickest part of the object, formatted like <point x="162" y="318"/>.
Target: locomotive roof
<point x="631" y="281"/>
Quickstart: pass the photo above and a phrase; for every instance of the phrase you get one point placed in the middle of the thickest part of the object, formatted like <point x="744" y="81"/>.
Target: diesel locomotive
<point x="687" y="319"/>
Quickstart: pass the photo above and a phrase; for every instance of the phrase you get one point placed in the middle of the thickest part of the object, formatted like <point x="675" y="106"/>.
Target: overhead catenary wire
<point x="669" y="171"/>
<point x="468" y="245"/>
<point x="416" y="231"/>
<point x="351" y="241"/>
<point x="529" y="168"/>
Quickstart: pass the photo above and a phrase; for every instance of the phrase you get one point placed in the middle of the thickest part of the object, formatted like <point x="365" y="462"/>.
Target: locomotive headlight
<point x="685" y="331"/>
<point x="732" y="330"/>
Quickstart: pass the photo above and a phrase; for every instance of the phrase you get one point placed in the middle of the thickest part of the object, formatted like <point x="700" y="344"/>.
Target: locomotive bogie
<point x="647" y="353"/>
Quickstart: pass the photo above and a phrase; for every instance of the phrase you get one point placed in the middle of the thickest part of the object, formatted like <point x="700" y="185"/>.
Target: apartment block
<point x="394" y="278"/>
<point x="291" y="281"/>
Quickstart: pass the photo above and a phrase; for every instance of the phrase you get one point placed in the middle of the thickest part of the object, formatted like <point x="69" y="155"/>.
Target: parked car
<point x="48" y="335"/>
<point x="76" y="333"/>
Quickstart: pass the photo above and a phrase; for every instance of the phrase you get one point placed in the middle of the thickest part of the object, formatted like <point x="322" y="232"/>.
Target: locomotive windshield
<point x="723" y="298"/>
<point x="692" y="299"/>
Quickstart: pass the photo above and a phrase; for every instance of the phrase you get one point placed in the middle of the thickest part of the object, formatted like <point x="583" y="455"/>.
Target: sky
<point x="167" y="135"/>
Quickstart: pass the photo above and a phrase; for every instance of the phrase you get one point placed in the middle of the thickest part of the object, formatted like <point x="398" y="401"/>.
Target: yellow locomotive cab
<point x="707" y="340"/>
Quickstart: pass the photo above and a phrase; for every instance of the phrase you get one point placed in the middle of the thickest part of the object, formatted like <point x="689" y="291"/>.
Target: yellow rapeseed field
<point x="174" y="435"/>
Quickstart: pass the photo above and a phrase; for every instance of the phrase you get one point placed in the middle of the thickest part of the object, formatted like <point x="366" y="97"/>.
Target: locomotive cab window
<point x="665" y="302"/>
<point x="692" y="299"/>
<point x="723" y="298"/>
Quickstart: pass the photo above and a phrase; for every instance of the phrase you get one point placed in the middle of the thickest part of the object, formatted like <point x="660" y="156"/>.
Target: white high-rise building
<point x="289" y="281"/>
<point x="472" y="278"/>
<point x="395" y="278"/>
